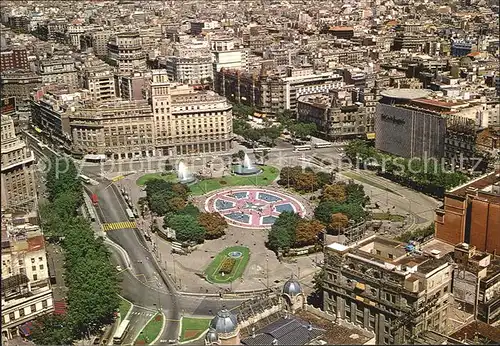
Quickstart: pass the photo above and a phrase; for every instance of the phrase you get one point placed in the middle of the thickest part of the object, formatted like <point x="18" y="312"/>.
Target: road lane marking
<point x="113" y="226"/>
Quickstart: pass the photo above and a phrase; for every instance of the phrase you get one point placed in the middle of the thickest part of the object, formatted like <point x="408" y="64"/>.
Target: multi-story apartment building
<point x="49" y="112"/>
<point x="270" y="93"/>
<point x="75" y="33"/>
<point x="471" y="214"/>
<point x="131" y="86"/>
<point x="58" y="71"/>
<point x="97" y="41"/>
<point x="227" y="55"/>
<point x="188" y="70"/>
<point x="189" y="121"/>
<point x="338" y="114"/>
<point x="126" y="52"/>
<point x="14" y="58"/>
<point x="20" y="85"/>
<point x="476" y="282"/>
<point x="100" y="81"/>
<point x="18" y="187"/>
<point x="117" y="129"/>
<point x="380" y="285"/>
<point x="26" y="291"/>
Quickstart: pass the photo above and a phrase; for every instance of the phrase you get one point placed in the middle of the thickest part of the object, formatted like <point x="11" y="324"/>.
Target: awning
<point x="370" y="135"/>
<point x="38" y="130"/>
<point x="26" y="328"/>
<point x="360" y="286"/>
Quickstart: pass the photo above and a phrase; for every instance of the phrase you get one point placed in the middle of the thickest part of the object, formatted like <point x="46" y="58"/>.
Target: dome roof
<point x="292" y="287"/>
<point x="224" y="322"/>
<point x="212" y="336"/>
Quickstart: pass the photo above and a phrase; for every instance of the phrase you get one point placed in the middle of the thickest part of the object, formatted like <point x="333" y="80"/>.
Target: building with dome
<point x="292" y="295"/>
<point x="223" y="330"/>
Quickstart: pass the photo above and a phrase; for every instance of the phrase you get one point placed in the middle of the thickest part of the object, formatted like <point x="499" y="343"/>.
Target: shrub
<point x="222" y="182"/>
<point x="227" y="265"/>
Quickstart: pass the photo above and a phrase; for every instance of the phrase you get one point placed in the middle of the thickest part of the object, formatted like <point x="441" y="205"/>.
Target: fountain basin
<point x="188" y="180"/>
<point x="242" y="170"/>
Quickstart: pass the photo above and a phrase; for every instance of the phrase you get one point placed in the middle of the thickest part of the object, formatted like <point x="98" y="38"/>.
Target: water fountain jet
<point x="184" y="175"/>
<point x="246" y="168"/>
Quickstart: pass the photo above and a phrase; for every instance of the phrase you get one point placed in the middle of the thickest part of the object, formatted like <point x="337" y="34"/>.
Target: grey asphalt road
<point x="138" y="318"/>
<point x="144" y="283"/>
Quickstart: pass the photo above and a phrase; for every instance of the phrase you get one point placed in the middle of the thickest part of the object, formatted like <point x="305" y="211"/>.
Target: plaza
<point x="252" y="207"/>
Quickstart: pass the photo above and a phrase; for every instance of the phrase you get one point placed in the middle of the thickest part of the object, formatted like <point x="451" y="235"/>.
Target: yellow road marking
<point x="118" y="225"/>
<point x="117" y="178"/>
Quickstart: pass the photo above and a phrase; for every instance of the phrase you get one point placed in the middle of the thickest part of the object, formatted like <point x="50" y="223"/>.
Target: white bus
<point x="84" y="178"/>
<point x="120" y="332"/>
<point x="130" y="214"/>
<point x="323" y="145"/>
<point x="302" y="147"/>
<point x="259" y="150"/>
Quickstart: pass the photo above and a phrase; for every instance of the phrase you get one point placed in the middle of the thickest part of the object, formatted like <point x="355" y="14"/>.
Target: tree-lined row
<point x="426" y="175"/>
<point x="89" y="275"/>
<point x="305" y="180"/>
<point x="171" y="201"/>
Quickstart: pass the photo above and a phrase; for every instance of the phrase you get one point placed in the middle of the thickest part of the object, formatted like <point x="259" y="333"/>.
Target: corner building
<point x="18" y="187"/>
<point x="377" y="285"/>
<point x="188" y="121"/>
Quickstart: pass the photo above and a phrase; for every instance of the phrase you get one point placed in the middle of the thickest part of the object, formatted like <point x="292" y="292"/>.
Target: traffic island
<point x="192" y="328"/>
<point x="228" y="265"/>
<point x="124" y="308"/>
<point x="151" y="331"/>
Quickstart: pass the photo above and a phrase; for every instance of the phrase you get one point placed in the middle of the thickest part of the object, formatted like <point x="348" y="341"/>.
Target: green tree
<point x="52" y="330"/>
<point x="323" y="179"/>
<point x="302" y="130"/>
<point x="289" y="176"/>
<point x="273" y="133"/>
<point x="190" y="209"/>
<point x="214" y="223"/>
<point x="356" y="194"/>
<point x="187" y="228"/>
<point x="62" y="178"/>
<point x="285" y="118"/>
<point x="282" y="233"/>
<point x="158" y="204"/>
<point x="324" y="211"/>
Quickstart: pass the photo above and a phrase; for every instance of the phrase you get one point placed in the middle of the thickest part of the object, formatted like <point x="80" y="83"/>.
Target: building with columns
<point x="187" y="121"/>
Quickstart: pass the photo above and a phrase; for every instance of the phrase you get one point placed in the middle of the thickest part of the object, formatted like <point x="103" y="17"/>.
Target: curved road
<point x="144" y="283"/>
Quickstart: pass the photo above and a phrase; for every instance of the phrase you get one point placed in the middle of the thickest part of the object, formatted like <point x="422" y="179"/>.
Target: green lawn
<point x="192" y="328"/>
<point x="150" y="176"/>
<point x="212" y="271"/>
<point x="368" y="181"/>
<point x="151" y="331"/>
<point x="124" y="307"/>
<point x="388" y="216"/>
<point x="268" y="175"/>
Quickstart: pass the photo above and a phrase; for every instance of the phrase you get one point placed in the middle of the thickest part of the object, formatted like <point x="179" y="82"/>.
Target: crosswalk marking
<point x="142" y="313"/>
<point x="118" y="225"/>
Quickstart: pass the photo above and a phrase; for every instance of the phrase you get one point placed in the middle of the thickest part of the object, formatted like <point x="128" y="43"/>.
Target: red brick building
<point x="471" y="214"/>
<point x="14" y="59"/>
